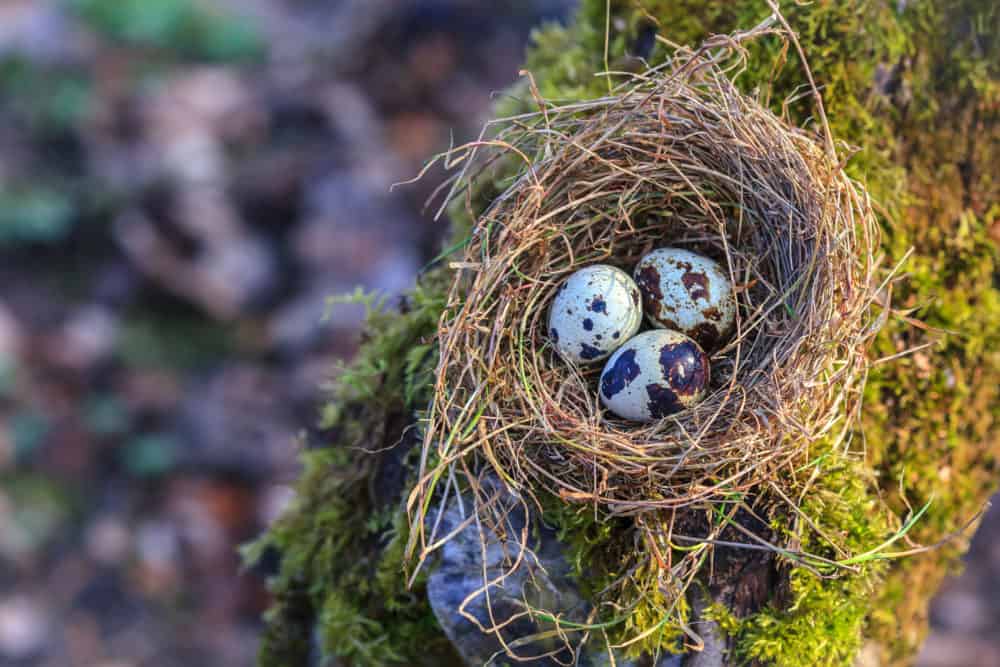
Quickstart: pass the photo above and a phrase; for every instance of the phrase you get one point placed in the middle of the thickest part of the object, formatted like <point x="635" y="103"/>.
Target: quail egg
<point x="654" y="375"/>
<point x="595" y="310"/>
<point x="687" y="292"/>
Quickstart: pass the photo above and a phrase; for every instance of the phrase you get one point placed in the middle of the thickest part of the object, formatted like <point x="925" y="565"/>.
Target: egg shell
<point x="654" y="375"/>
<point x="595" y="310"/>
<point x="687" y="292"/>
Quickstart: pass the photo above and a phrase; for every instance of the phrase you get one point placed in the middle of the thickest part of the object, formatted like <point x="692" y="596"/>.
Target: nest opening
<point x="685" y="162"/>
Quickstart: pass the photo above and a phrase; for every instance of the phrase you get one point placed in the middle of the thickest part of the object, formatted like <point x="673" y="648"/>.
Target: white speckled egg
<point x="654" y="375"/>
<point x="687" y="292"/>
<point x="595" y="310"/>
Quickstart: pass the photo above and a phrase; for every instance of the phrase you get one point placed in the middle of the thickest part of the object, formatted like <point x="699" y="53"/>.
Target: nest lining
<point x="682" y="160"/>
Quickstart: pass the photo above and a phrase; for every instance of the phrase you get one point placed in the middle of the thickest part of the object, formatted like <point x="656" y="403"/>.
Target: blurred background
<point x="183" y="184"/>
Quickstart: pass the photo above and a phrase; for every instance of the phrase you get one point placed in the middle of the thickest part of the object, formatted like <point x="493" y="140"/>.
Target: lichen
<point x="915" y="89"/>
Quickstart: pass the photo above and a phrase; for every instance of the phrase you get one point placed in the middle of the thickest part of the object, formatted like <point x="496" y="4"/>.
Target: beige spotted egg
<point x="595" y="310"/>
<point x="654" y="375"/>
<point x="687" y="292"/>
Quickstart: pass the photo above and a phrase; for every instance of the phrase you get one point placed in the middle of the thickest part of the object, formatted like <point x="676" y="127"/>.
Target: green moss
<point x="820" y="618"/>
<point x="847" y="43"/>
<point x="822" y="626"/>
<point x="598" y="550"/>
<point x="342" y="571"/>
<point x="817" y="618"/>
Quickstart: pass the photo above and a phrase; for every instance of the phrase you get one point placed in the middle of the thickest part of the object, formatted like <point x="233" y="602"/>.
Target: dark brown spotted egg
<point x="687" y="292"/>
<point x="595" y="310"/>
<point x="654" y="375"/>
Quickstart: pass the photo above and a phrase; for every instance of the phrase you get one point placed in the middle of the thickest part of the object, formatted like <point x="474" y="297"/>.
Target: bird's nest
<point x="679" y="157"/>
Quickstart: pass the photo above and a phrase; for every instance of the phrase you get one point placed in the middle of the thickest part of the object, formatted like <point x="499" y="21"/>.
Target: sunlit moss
<point x="341" y="584"/>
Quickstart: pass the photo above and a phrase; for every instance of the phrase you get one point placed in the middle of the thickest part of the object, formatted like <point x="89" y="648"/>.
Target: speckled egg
<point x="595" y="310"/>
<point x="654" y="375"/>
<point x="687" y="292"/>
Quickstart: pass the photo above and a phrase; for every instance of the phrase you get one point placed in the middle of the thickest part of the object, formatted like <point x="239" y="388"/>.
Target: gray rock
<point x="713" y="653"/>
<point x="542" y="581"/>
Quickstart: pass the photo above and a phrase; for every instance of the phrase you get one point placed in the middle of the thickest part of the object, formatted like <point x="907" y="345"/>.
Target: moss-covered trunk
<point x="915" y="86"/>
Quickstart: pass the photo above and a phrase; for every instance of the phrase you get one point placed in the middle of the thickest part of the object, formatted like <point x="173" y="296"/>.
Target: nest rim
<point x="829" y="268"/>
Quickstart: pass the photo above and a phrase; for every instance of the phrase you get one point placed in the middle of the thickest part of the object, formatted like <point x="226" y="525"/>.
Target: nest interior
<point x="682" y="159"/>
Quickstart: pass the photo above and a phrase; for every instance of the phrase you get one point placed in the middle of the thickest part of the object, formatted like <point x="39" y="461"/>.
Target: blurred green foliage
<point x="185" y="28"/>
<point x="38" y="510"/>
<point x="41" y="102"/>
<point x="27" y="432"/>
<point x="106" y="415"/>
<point x="37" y="214"/>
<point x="149" y="455"/>
<point x="8" y="375"/>
<point x="178" y="341"/>
<point x="44" y="99"/>
<point x="52" y="102"/>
